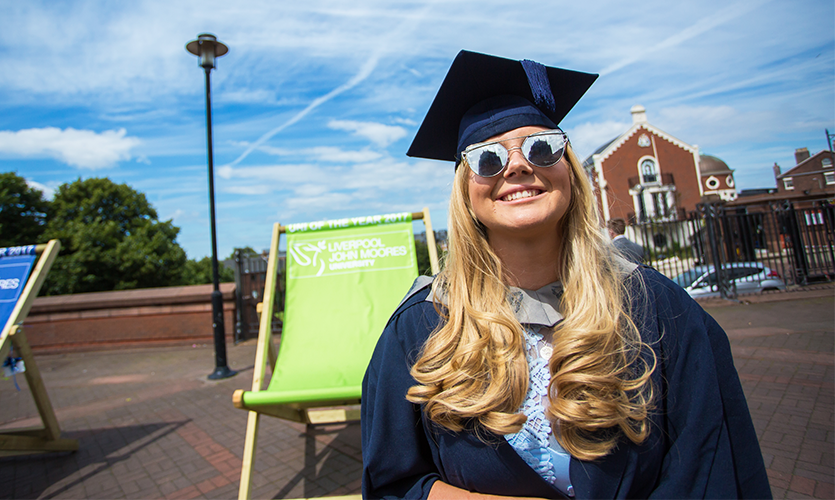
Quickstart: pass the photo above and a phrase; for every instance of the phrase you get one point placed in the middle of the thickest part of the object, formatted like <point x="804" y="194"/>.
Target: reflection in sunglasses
<point x="542" y="149"/>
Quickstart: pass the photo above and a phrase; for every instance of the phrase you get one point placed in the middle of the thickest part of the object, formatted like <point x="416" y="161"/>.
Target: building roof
<point x="712" y="165"/>
<point x="793" y="170"/>
<point x="777" y="197"/>
<point x="590" y="160"/>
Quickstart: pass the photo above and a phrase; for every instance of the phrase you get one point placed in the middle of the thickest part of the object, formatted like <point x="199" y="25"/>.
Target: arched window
<point x="648" y="171"/>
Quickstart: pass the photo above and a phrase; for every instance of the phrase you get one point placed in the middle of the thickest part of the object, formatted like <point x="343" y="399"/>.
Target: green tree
<point x="246" y="251"/>
<point x="23" y="212"/>
<point x="199" y="272"/>
<point x="422" y="255"/>
<point x="111" y="239"/>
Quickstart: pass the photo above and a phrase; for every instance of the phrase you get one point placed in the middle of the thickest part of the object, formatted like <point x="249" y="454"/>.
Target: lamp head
<point x="207" y="49"/>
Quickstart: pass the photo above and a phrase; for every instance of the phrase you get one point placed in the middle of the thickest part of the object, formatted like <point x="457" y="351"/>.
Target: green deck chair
<point x="344" y="279"/>
<point x="18" y="293"/>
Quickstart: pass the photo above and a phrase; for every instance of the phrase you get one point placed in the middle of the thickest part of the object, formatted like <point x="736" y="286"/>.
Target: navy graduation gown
<point x="702" y="442"/>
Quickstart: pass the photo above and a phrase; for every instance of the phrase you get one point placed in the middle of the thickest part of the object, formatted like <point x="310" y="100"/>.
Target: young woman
<point x="539" y="363"/>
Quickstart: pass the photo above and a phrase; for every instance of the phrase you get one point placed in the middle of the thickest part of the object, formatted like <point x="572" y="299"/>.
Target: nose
<point x="517" y="164"/>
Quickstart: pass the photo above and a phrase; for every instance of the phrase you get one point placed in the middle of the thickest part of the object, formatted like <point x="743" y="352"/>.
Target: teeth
<point x="521" y="194"/>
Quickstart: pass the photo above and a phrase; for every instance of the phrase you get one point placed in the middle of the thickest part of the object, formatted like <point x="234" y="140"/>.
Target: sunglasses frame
<point x="472" y="147"/>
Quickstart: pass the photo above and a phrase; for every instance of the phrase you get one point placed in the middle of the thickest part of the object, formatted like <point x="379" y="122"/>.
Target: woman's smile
<point x="522" y="194"/>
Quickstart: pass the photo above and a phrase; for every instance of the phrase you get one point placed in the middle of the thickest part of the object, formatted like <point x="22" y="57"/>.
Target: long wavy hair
<point x="472" y="372"/>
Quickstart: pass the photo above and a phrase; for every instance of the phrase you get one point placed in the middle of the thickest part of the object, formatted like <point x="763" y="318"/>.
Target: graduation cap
<point x="485" y="95"/>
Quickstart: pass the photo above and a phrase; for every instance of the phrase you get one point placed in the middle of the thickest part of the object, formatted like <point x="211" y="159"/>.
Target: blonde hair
<point x="472" y="372"/>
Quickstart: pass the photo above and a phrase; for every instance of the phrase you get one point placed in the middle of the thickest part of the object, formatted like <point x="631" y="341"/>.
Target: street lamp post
<point x="207" y="49"/>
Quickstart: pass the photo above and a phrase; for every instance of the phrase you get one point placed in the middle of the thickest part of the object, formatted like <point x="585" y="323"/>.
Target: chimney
<point x="801" y="155"/>
<point x="777" y="171"/>
<point x="639" y="114"/>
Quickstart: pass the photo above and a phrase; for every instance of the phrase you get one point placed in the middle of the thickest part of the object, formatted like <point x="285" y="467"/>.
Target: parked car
<point x="749" y="277"/>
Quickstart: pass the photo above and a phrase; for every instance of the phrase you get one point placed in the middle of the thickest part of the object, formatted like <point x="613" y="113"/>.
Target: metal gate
<point x="250" y="280"/>
<point x="799" y="244"/>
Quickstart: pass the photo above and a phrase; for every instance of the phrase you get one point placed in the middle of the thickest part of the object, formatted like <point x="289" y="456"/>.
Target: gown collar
<point x="532" y="307"/>
<point x="537" y="307"/>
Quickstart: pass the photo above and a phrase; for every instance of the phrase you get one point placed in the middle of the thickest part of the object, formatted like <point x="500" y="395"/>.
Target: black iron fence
<point x="250" y="281"/>
<point x="792" y="246"/>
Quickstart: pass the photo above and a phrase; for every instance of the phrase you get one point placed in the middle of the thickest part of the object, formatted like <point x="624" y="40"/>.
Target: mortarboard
<point x="485" y="95"/>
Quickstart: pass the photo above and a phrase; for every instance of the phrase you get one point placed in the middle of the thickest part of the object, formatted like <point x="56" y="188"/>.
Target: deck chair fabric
<point x="19" y="285"/>
<point x="15" y="264"/>
<point x="342" y="286"/>
<point x="344" y="279"/>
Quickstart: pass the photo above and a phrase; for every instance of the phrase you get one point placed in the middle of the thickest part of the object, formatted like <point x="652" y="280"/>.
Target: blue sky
<point x="316" y="102"/>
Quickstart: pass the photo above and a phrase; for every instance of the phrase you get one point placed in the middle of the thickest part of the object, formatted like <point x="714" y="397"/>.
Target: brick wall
<point x="106" y="320"/>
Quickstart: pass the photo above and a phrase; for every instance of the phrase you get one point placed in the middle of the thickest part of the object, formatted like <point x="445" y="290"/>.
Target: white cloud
<point x="315" y="190"/>
<point x="329" y="154"/>
<point x="311" y="190"/>
<point x="364" y="71"/>
<point x="47" y="191"/>
<point x="380" y="134"/>
<point x="405" y="121"/>
<point x="337" y="155"/>
<point x="713" y="126"/>
<point x="280" y="176"/>
<point x="706" y="24"/>
<point x="315" y="205"/>
<point x="256" y="189"/>
<point x="247" y="96"/>
<point x="587" y="137"/>
<point x="84" y="149"/>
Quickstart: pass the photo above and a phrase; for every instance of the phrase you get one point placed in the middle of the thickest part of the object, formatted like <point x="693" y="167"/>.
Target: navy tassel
<point x="540" y="86"/>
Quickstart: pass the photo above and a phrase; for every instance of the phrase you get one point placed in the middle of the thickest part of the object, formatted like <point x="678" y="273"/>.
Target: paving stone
<point x="824" y="490"/>
<point x="802" y="485"/>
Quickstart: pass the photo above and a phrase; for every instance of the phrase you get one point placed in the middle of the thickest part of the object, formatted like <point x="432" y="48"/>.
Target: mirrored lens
<point x="544" y="150"/>
<point x="487" y="160"/>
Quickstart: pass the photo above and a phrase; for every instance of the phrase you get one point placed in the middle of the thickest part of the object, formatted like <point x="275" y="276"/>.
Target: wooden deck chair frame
<point x="266" y="352"/>
<point x="25" y="441"/>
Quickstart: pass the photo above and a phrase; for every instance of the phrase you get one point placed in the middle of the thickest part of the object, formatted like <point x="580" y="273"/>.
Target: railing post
<point x="801" y="265"/>
<point x="239" y="297"/>
<point x="713" y="238"/>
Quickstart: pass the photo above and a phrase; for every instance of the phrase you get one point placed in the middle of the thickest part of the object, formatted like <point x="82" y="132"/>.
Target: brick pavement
<point x="151" y="425"/>
<point x="783" y="351"/>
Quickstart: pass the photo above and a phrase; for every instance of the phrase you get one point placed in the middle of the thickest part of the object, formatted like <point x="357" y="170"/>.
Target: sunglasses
<point x="542" y="149"/>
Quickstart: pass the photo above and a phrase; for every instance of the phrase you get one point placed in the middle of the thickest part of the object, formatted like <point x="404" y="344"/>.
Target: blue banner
<point x="14" y="272"/>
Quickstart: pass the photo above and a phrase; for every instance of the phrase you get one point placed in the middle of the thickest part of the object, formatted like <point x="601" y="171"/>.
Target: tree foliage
<point x="199" y="272"/>
<point x="23" y="211"/>
<point x="111" y="240"/>
<point x="422" y="255"/>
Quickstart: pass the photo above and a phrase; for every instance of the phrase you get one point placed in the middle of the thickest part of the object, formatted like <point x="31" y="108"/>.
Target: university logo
<point x="307" y="254"/>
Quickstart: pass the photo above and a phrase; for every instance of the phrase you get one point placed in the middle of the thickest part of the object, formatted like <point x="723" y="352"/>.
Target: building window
<point x="826" y="163"/>
<point x="659" y="205"/>
<point x="712" y="183"/>
<point x="813" y="218"/>
<point x="829" y="177"/>
<point x="788" y="184"/>
<point x="648" y="171"/>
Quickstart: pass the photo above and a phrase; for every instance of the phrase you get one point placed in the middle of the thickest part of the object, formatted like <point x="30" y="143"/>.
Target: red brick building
<point x="812" y="176"/>
<point x="807" y="185"/>
<point x="647" y="174"/>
